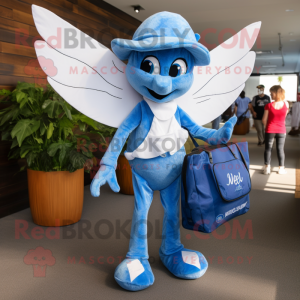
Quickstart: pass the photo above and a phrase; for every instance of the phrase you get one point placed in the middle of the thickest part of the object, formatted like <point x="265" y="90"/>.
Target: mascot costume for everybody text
<point x="155" y="100"/>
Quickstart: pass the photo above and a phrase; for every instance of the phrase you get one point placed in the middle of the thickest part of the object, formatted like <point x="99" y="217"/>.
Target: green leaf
<point x="22" y="168"/>
<point x="4" y="92"/>
<point x="5" y="110"/>
<point x="70" y="168"/>
<point x="81" y="125"/>
<point x="24" y="153"/>
<point x="30" y="99"/>
<point x="50" y="130"/>
<point x="24" y="101"/>
<point x="20" y="96"/>
<point x="63" y="146"/>
<point x="62" y="154"/>
<point x="67" y="132"/>
<point x="88" y="154"/>
<point x="42" y="129"/>
<point x="86" y="120"/>
<point x="26" y="148"/>
<point x="52" y="149"/>
<point x="45" y="162"/>
<point x="24" y="85"/>
<point x="50" y="107"/>
<point x="39" y="140"/>
<point x="5" y="135"/>
<point x="14" y="154"/>
<point x="102" y="138"/>
<point x="14" y="143"/>
<point x="66" y="109"/>
<point x="77" y="159"/>
<point x="24" y="128"/>
<point x="12" y="113"/>
<point x="31" y="157"/>
<point x="64" y="122"/>
<point x="25" y="111"/>
<point x="82" y="136"/>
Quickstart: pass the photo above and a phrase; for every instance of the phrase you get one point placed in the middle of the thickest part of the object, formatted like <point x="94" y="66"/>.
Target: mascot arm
<point x="210" y="136"/>
<point x="128" y="125"/>
<point x="108" y="163"/>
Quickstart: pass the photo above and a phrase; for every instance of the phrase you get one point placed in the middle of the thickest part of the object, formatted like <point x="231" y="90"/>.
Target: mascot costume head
<point x="162" y="93"/>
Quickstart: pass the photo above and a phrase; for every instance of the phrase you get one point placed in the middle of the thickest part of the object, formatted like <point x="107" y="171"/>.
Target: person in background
<point x="216" y="123"/>
<point x="257" y="110"/>
<point x="295" y="130"/>
<point x="228" y="113"/>
<point x="274" y="122"/>
<point x="242" y="104"/>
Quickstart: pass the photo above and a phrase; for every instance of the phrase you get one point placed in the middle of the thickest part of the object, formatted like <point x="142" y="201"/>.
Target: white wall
<point x="289" y="83"/>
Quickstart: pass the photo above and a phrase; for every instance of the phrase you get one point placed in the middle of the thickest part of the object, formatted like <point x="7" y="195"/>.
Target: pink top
<point x="276" y="119"/>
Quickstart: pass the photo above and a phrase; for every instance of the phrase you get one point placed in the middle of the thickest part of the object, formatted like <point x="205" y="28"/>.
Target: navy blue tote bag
<point x="215" y="185"/>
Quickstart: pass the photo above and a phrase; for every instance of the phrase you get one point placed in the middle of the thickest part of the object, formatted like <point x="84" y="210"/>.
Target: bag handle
<point x="231" y="150"/>
<point x="209" y="153"/>
<point x="242" y="156"/>
<point x="245" y="111"/>
<point x="197" y="145"/>
<point x="192" y="138"/>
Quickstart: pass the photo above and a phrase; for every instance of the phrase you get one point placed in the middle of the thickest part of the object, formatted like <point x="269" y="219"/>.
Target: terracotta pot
<point x="55" y="198"/>
<point x="242" y="128"/>
<point x="124" y="176"/>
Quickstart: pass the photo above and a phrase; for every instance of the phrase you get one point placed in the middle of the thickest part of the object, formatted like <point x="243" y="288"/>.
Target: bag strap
<point x="197" y="145"/>
<point x="242" y="156"/>
<point x="231" y="150"/>
<point x="244" y="161"/>
<point x="243" y="115"/>
<point x="209" y="153"/>
<point x="192" y="138"/>
<point x="246" y="111"/>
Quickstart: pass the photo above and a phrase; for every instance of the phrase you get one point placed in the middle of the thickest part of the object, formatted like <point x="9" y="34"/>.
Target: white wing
<point x="85" y="73"/>
<point x="217" y="86"/>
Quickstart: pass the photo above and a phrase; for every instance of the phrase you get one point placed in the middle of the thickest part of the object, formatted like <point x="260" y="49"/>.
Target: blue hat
<point x="161" y="31"/>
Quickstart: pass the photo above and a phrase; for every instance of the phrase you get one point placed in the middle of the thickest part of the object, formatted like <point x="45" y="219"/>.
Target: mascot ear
<point x="197" y="36"/>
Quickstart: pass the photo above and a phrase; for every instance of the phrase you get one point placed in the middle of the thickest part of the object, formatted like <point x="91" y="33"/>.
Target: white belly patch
<point x="165" y="135"/>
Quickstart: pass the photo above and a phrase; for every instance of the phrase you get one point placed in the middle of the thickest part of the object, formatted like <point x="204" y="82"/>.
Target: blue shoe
<point x="134" y="274"/>
<point x="186" y="264"/>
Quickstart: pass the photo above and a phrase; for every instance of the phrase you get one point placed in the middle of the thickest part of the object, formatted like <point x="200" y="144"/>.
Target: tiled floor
<point x="255" y="257"/>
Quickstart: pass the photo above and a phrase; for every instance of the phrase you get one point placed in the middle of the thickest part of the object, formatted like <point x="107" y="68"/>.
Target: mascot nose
<point x="162" y="85"/>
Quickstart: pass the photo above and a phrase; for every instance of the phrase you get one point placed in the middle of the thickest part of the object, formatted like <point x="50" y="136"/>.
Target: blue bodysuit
<point x="162" y="173"/>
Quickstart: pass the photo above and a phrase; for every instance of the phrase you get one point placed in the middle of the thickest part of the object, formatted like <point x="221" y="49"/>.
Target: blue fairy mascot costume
<point x="163" y="91"/>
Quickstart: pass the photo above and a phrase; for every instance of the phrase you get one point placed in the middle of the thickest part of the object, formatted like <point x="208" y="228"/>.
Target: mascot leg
<point x="181" y="262"/>
<point x="134" y="272"/>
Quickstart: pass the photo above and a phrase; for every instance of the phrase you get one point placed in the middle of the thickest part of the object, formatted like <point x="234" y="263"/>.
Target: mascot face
<point x="161" y="76"/>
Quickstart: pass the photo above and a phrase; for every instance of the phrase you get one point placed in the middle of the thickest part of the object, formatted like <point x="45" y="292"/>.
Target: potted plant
<point x="41" y="126"/>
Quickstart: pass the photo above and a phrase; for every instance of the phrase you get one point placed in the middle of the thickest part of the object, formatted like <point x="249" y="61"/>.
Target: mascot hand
<point x="224" y="133"/>
<point x="105" y="174"/>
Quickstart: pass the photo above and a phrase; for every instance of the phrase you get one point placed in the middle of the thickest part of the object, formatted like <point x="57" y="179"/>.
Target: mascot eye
<point x="150" y="65"/>
<point x="178" y="68"/>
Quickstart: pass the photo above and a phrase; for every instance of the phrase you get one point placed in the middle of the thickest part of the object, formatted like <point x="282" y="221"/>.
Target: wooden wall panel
<point x="96" y="18"/>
